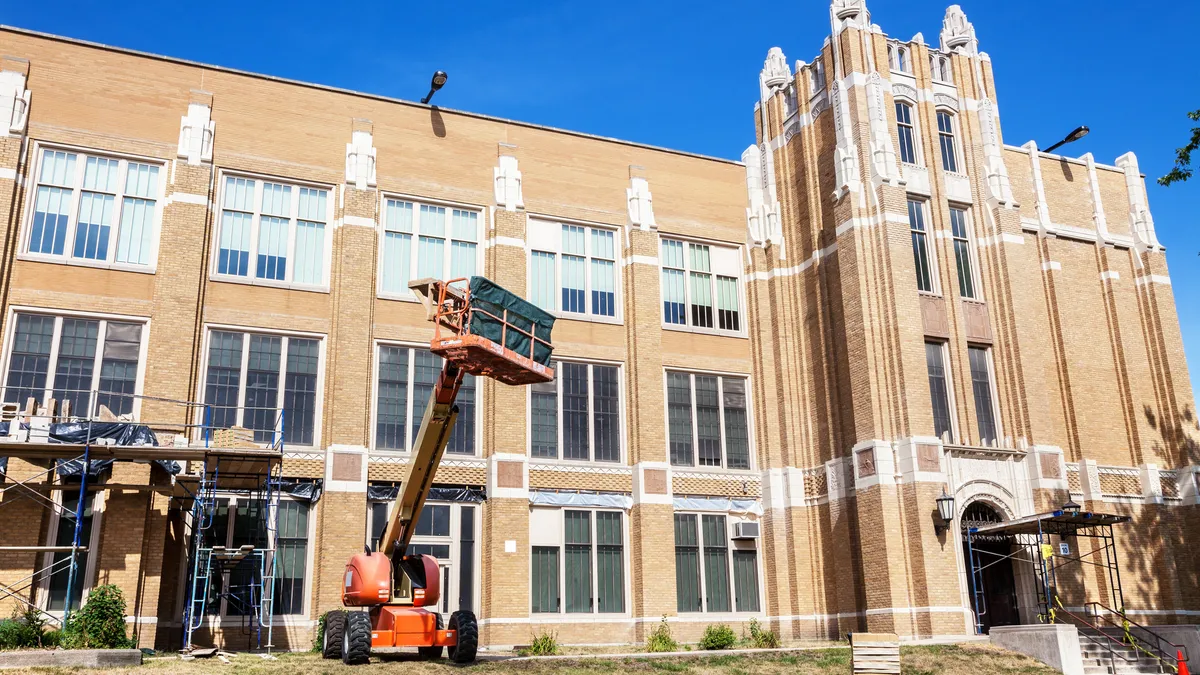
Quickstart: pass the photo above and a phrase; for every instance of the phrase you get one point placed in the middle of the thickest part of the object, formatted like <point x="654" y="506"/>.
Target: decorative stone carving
<point x="957" y="32"/>
<point x="1141" y="223"/>
<point x="1050" y="465"/>
<point x="904" y="91"/>
<point x="866" y="463"/>
<point x="1098" y="218"/>
<point x="360" y="155"/>
<point x="850" y="13"/>
<point x="640" y="201"/>
<point x="14" y="97"/>
<point x="197" y="130"/>
<point x="929" y="458"/>
<point x="944" y="100"/>
<point x="775" y="75"/>
<point x="762" y="213"/>
<point x="846" y="154"/>
<point x="999" y="188"/>
<point x="507" y="180"/>
<point x="883" y="152"/>
<point x="1039" y="187"/>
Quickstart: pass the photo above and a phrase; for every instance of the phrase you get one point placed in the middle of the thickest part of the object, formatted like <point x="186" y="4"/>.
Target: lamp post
<point x="945" y="508"/>
<point x="1075" y="135"/>
<point x="1071" y="508"/>
<point x="439" y="79"/>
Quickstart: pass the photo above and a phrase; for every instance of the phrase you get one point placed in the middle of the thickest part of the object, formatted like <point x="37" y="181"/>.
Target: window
<point x="939" y="66"/>
<point x="906" y="132"/>
<point x="816" y="76"/>
<point x="706" y="415"/>
<point x="962" y="252"/>
<point x="71" y="358"/>
<point x="60" y="561"/>
<point x="939" y="389"/>
<point x="898" y="59"/>
<point x="578" y="562"/>
<point x="790" y="104"/>
<point x="406" y="376"/>
<point x="445" y="531"/>
<point x="703" y="567"/>
<point x="981" y="387"/>
<point x="573" y="269"/>
<point x="95" y="210"/>
<point x="239" y="521"/>
<point x="578" y="415"/>
<point x="273" y="232"/>
<point x="945" y="122"/>
<point x="920" y="245"/>
<point x="445" y="244"/>
<point x="267" y="383"/>
<point x="695" y="277"/>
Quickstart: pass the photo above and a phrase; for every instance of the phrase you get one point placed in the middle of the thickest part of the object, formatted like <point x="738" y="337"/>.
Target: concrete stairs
<point x="1104" y="656"/>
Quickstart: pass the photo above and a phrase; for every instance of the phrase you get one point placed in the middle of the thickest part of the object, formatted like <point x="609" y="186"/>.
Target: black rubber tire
<point x="464" y="622"/>
<point x="335" y="626"/>
<point x="356" y="641"/>
<point x="433" y="652"/>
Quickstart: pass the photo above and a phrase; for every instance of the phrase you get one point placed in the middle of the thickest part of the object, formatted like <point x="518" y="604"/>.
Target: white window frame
<point x="58" y="316"/>
<point x="935" y="282"/>
<point x="454" y="541"/>
<point x="256" y="216"/>
<point x="319" y="405"/>
<point x="555" y="249"/>
<point x="940" y="64"/>
<point x="66" y="257"/>
<point x="216" y="621"/>
<point x="375" y="347"/>
<point x="591" y="461"/>
<point x="594" y="616"/>
<point x="955" y="133"/>
<point x="85" y="577"/>
<point x="951" y="402"/>
<point x="732" y="545"/>
<point x="704" y="468"/>
<point x="918" y="149"/>
<point x="417" y="202"/>
<point x="900" y="58"/>
<point x="740" y="278"/>
<point x="972" y="253"/>
<point x="992" y="385"/>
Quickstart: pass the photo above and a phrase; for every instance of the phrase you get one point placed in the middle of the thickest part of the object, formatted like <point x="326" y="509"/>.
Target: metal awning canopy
<point x="1052" y="522"/>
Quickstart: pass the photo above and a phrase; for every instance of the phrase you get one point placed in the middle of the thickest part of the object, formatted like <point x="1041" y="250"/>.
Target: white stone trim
<point x="640" y="260"/>
<point x="359" y="485"/>
<point x="795" y="269"/>
<point x="1051" y="266"/>
<point x="1110" y="275"/>
<point x="493" y="491"/>
<point x="359" y="221"/>
<point x="1153" y="279"/>
<point x="1002" y="238"/>
<point x="505" y="241"/>
<point x="8" y="174"/>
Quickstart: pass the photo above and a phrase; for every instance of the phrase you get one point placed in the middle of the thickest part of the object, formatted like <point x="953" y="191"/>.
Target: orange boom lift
<point x="482" y="329"/>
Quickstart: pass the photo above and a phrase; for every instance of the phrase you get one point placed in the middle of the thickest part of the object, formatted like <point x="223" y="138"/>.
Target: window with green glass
<point x="704" y="565"/>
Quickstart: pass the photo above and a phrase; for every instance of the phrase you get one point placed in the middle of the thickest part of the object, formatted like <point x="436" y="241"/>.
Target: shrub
<point x="100" y="624"/>
<point x="544" y="644"/>
<point x="762" y="638"/>
<point x="718" y="636"/>
<point x="23" y="630"/>
<point x="660" y="639"/>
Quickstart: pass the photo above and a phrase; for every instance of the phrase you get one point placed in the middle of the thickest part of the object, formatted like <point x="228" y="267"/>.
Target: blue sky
<point x="685" y="74"/>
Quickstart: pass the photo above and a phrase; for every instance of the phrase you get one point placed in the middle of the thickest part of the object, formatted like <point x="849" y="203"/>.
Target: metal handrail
<point x="1111" y="652"/>
<point x="1162" y="655"/>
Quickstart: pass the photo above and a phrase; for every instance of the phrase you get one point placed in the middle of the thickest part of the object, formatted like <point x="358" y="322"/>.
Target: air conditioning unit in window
<point x="746" y="529"/>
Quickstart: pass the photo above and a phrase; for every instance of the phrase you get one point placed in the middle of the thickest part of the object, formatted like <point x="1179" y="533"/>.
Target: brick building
<point x="883" y="300"/>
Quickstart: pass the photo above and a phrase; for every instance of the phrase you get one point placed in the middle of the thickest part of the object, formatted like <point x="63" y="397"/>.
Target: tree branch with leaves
<point x="1183" y="156"/>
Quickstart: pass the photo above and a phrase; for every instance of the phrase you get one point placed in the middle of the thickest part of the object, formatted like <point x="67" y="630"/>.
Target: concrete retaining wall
<point x="1055" y="645"/>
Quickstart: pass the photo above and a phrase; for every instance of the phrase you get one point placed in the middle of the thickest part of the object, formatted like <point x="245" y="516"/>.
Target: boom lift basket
<point x="486" y="330"/>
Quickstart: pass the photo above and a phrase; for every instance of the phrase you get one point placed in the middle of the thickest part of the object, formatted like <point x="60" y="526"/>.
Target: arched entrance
<point x="995" y="585"/>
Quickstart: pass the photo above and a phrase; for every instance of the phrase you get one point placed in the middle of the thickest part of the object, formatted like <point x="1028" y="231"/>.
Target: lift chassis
<point x="391" y="597"/>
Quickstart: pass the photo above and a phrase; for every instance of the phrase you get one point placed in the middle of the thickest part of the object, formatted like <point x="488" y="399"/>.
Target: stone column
<point x="14" y="106"/>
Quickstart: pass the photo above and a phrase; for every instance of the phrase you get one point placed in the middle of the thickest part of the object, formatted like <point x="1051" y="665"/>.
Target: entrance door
<point x="996" y="581"/>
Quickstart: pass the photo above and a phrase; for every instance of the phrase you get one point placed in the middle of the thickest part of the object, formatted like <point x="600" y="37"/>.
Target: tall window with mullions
<point x="962" y="252"/>
<point x="939" y="390"/>
<point x="578" y="540"/>
<point x="920" y="245"/>
<point x="577" y="416"/>
<point x="906" y="133"/>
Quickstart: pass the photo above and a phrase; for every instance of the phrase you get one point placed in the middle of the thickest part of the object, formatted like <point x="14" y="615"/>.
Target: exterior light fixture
<point x="1071" y="508"/>
<point x="1079" y="133"/>
<point x="439" y="79"/>
<point x="945" y="507"/>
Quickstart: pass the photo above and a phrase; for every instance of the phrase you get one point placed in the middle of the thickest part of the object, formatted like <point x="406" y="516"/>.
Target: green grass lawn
<point x="972" y="659"/>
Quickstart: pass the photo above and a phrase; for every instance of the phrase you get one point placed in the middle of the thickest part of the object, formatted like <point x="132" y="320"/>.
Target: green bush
<point x="24" y="630"/>
<point x="762" y="638"/>
<point x="100" y="624"/>
<point x="544" y="644"/>
<point x="718" y="636"/>
<point x="660" y="639"/>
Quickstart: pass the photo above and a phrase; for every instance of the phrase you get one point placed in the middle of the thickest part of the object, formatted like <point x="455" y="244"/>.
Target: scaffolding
<point x="1031" y="543"/>
<point x="57" y="444"/>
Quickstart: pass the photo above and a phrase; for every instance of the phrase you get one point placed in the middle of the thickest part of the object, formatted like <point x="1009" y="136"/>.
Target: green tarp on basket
<point x="491" y="297"/>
